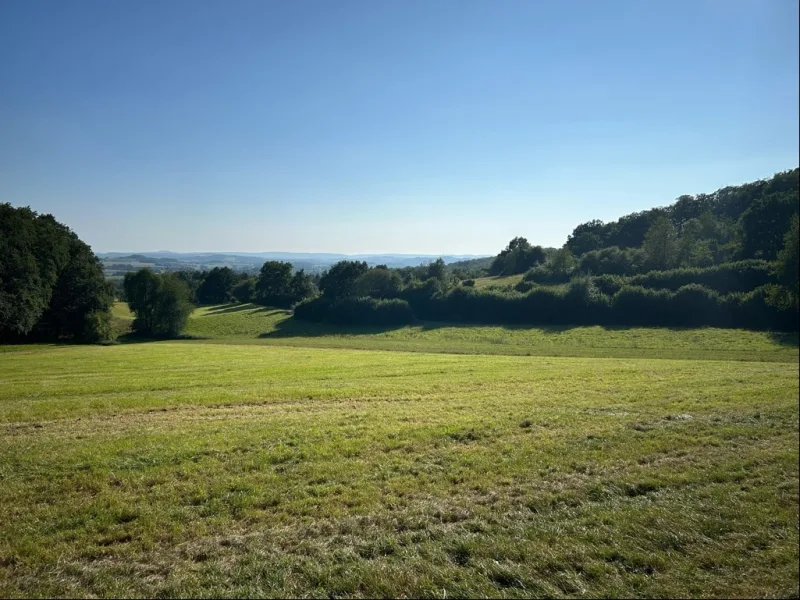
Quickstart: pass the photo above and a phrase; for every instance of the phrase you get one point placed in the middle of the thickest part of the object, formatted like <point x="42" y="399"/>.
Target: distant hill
<point x="117" y="263"/>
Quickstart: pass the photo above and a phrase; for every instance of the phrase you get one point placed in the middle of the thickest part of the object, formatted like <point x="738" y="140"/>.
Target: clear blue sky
<point x="435" y="126"/>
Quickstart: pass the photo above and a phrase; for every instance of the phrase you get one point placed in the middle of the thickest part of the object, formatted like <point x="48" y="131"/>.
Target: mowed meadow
<point x="264" y="457"/>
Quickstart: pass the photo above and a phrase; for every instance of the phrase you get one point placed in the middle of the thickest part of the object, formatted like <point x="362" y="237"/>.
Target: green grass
<point x="251" y="324"/>
<point x="249" y="467"/>
<point x="498" y="280"/>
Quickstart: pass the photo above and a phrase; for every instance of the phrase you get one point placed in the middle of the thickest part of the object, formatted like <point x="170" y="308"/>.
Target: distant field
<point x="244" y="466"/>
<point x="499" y="280"/>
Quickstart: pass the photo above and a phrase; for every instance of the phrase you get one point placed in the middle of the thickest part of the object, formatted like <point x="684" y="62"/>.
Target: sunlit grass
<point x="185" y="469"/>
<point x="498" y="280"/>
<point x="254" y="324"/>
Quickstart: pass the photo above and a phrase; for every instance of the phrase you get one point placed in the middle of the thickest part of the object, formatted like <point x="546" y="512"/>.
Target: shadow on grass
<point x="292" y="327"/>
<point x="135" y="338"/>
<point x="789" y="339"/>
<point x="222" y="309"/>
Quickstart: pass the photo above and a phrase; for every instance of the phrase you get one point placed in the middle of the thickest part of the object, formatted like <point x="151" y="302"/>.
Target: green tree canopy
<point x="159" y="301"/>
<point x="786" y="268"/>
<point x="52" y="285"/>
<point x="276" y="286"/>
<point x="217" y="286"/>
<point x="338" y="281"/>
<point x="517" y="257"/>
<point x="660" y="244"/>
<point x="764" y="224"/>
<point x="377" y="283"/>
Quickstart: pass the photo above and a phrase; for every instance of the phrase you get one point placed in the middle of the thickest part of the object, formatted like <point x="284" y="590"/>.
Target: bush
<point x="694" y="305"/>
<point x="425" y="298"/>
<point x="753" y="310"/>
<point x="634" y="305"/>
<point x="97" y="326"/>
<point x="159" y="301"/>
<point x="524" y="286"/>
<point x="468" y="283"/>
<point x="542" y="274"/>
<point x="356" y="311"/>
<point x="245" y="291"/>
<point x="584" y="303"/>
<point x="609" y="284"/>
<point x="612" y="261"/>
<point x="312" y="309"/>
<point x="741" y="276"/>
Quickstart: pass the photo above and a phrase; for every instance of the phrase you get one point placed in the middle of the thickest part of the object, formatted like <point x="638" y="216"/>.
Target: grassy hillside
<point x="252" y="324"/>
<point x="498" y="280"/>
<point x="269" y="457"/>
<point x="176" y="469"/>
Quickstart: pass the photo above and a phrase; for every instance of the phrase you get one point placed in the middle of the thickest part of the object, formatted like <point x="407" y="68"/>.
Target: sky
<point x="396" y="126"/>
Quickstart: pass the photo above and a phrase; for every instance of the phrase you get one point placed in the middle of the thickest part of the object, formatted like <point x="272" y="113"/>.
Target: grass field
<point x="275" y="466"/>
<point x="498" y="280"/>
<point x="243" y="324"/>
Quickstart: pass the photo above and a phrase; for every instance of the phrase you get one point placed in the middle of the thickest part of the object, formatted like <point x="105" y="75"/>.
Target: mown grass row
<point x="181" y="469"/>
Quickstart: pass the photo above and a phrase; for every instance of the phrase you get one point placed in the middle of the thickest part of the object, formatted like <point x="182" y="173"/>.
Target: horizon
<point x="270" y="252"/>
<point x="361" y="128"/>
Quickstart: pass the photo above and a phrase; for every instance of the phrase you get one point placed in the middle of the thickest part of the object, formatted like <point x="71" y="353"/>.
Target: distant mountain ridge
<point x="250" y="261"/>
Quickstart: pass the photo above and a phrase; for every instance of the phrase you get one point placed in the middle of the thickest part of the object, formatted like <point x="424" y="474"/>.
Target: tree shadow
<point x="545" y="328"/>
<point x="232" y="307"/>
<point x="297" y="328"/>
<point x="782" y="338"/>
<point x="137" y="338"/>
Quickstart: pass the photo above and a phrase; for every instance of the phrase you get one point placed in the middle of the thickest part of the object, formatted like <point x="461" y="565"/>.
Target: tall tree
<point x="217" y="286"/>
<point x="660" y="244"/>
<point x="764" y="224"/>
<point x="338" y="281"/>
<point x="786" y="268"/>
<point x="159" y="301"/>
<point x="562" y="262"/>
<point x="51" y="284"/>
<point x="272" y="285"/>
<point x="517" y="257"/>
<point x="587" y="237"/>
<point x="377" y="283"/>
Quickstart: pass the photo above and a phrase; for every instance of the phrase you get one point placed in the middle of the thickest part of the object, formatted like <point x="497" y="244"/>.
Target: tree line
<point x="725" y="259"/>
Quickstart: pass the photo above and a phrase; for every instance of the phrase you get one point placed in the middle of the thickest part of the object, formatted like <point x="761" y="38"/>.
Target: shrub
<point x="524" y="286"/>
<point x="695" y="305"/>
<point x="542" y="274"/>
<point x="584" y="303"/>
<point x="741" y="276"/>
<point x="356" y="311"/>
<point x="612" y="261"/>
<point x="753" y="310"/>
<point x="609" y="284"/>
<point x="634" y="305"/>
<point x="97" y="326"/>
<point x="245" y="291"/>
<point x="159" y="301"/>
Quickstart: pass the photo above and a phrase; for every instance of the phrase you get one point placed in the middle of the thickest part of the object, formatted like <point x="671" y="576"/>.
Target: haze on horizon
<point x="357" y="127"/>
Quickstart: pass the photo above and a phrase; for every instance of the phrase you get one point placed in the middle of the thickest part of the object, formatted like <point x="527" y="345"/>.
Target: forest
<point x="725" y="259"/>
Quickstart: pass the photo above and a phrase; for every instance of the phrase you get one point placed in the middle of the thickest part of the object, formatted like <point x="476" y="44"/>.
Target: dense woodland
<point x="727" y="259"/>
<point x="51" y="283"/>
